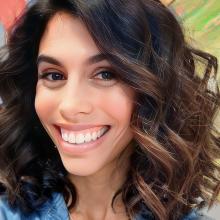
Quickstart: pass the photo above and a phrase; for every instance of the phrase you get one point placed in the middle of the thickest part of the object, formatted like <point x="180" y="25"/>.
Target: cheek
<point x="119" y="105"/>
<point x="43" y="104"/>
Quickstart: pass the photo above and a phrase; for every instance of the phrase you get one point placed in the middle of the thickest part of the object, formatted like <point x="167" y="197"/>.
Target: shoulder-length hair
<point x="173" y="167"/>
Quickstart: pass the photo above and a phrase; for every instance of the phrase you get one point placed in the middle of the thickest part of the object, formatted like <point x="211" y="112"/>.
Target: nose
<point x="75" y="103"/>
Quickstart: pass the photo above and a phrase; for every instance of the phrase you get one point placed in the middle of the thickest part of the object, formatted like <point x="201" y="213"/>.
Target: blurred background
<point x="199" y="18"/>
<point x="201" y="22"/>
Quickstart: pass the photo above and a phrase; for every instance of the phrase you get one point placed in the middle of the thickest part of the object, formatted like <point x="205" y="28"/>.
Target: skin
<point x="82" y="96"/>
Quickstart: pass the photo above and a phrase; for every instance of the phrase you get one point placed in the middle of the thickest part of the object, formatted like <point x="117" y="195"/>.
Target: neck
<point x="95" y="192"/>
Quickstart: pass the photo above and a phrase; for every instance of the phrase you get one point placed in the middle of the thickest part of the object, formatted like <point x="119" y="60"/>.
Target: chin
<point x="80" y="167"/>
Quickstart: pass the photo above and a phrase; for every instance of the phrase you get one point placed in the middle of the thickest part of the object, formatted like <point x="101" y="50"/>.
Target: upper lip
<point x="77" y="127"/>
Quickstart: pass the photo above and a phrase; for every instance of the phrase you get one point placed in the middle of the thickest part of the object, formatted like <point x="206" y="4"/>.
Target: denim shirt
<point x="56" y="209"/>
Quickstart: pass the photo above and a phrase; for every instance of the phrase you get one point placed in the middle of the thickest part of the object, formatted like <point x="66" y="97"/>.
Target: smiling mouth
<point x="78" y="138"/>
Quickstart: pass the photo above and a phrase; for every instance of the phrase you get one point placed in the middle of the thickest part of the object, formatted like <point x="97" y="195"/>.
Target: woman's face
<point x="78" y="98"/>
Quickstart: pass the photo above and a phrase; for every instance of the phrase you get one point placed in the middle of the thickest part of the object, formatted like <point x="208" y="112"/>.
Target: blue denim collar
<point x="56" y="209"/>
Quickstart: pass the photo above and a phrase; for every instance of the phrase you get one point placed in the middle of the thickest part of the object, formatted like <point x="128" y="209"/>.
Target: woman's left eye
<point x="51" y="76"/>
<point x="106" y="75"/>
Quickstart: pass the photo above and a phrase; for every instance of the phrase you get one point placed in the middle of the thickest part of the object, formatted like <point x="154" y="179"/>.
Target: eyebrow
<point x="48" y="59"/>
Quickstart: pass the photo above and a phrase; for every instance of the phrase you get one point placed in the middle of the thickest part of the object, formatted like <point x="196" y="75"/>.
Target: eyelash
<point x="46" y="74"/>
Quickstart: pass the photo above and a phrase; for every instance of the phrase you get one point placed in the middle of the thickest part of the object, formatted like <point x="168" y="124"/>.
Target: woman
<point x="104" y="115"/>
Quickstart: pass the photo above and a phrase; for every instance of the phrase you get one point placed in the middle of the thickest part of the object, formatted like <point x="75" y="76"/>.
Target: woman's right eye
<point x="51" y="76"/>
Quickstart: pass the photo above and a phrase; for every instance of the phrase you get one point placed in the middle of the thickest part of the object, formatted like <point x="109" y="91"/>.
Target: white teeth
<point x="65" y="136"/>
<point x="88" y="137"/>
<point x="79" y="138"/>
<point x="70" y="137"/>
<point x="94" y="136"/>
<point x="99" y="133"/>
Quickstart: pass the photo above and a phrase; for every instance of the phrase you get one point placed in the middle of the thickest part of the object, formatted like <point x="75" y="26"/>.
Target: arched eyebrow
<point x="48" y="59"/>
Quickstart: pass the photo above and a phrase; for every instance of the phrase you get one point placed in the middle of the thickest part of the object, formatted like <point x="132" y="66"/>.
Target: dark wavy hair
<point x="173" y="167"/>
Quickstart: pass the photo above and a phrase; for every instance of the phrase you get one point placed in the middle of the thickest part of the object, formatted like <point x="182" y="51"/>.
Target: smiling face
<point x="83" y="107"/>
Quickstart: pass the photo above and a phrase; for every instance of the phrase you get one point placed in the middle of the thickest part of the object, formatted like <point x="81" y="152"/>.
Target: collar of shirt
<point x="55" y="209"/>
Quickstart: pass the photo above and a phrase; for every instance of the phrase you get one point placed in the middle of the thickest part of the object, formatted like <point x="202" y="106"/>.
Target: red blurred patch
<point x="10" y="10"/>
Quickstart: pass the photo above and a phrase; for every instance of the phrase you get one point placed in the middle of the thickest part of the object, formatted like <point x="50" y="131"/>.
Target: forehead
<point x="65" y="31"/>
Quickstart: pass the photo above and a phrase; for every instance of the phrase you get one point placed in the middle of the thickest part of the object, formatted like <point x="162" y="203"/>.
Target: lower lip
<point x="79" y="148"/>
